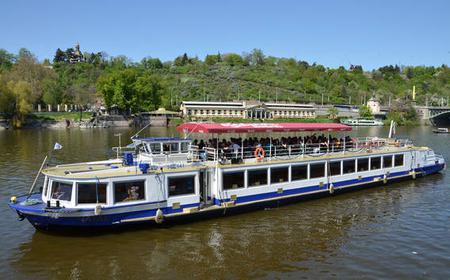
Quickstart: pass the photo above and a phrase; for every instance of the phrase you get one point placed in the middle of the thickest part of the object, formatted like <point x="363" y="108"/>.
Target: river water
<point x="397" y="231"/>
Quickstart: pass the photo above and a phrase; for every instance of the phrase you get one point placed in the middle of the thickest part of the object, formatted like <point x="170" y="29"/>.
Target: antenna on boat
<point x="137" y="133"/>
<point x="392" y="129"/>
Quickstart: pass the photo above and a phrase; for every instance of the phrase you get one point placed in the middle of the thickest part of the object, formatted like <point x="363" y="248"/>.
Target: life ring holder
<point x="259" y="153"/>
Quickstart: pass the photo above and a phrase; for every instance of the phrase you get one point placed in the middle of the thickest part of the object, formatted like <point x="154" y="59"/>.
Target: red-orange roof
<point x="195" y="127"/>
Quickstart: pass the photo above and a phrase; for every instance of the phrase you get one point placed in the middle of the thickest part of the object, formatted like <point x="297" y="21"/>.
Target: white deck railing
<point x="292" y="151"/>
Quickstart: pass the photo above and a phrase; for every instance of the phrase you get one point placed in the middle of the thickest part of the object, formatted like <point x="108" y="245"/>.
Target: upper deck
<point x="194" y="158"/>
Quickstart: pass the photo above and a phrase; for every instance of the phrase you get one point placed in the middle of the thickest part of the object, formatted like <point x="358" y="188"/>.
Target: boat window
<point x="299" y="172"/>
<point x="398" y="160"/>
<point x="363" y="164"/>
<point x="387" y="161"/>
<point x="233" y="180"/>
<point x="316" y="170"/>
<point x="279" y="174"/>
<point x="91" y="192"/>
<point x="156" y="148"/>
<point x="335" y="168"/>
<point x="348" y="166"/>
<point x="375" y="163"/>
<point x="61" y="191"/>
<point x="184" y="147"/>
<point x="181" y="185"/>
<point x="129" y="191"/>
<point x="170" y="148"/>
<point x="257" y="177"/>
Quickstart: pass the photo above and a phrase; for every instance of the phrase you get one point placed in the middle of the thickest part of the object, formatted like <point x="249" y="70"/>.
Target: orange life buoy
<point x="259" y="153"/>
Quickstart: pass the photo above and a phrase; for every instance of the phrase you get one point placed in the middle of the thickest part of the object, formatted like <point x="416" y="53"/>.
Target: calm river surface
<point x="397" y="231"/>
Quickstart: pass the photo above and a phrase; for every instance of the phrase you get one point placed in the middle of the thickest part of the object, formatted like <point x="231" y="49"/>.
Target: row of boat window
<point x="185" y="185"/>
<point x="123" y="191"/>
<point x="258" y="177"/>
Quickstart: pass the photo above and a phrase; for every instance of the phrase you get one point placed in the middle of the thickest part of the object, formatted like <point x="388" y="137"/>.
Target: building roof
<point x="162" y="111"/>
<point x="195" y="127"/>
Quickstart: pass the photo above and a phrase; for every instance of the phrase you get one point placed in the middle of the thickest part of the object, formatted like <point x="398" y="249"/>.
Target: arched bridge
<point x="438" y="116"/>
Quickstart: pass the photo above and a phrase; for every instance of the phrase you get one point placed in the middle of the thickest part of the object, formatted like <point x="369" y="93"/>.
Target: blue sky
<point x="333" y="33"/>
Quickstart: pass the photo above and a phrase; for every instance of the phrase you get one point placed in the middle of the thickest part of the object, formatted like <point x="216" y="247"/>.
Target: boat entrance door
<point x="205" y="190"/>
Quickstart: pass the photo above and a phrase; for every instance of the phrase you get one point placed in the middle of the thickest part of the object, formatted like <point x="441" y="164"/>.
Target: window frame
<point x="316" y="163"/>
<point x="380" y="163"/>
<point x="64" y="182"/>
<point x="392" y="161"/>
<point x="257" y="169"/>
<point x="232" y="172"/>
<point x="340" y="168"/>
<point x="154" y="144"/>
<point x="280" y="167"/>
<point x="195" y="175"/>
<point x="343" y="166"/>
<point x="395" y="160"/>
<point x="358" y="167"/>
<point x="113" y="187"/>
<point x="305" y="165"/>
<point x="77" y="186"/>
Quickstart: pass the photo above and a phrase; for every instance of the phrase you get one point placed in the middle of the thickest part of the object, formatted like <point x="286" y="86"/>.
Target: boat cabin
<point x="161" y="150"/>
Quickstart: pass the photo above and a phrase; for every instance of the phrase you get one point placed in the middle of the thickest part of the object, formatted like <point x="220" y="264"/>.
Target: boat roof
<point x="197" y="127"/>
<point x="159" y="139"/>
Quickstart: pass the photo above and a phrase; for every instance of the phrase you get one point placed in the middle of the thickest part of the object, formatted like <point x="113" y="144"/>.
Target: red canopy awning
<point x="195" y="127"/>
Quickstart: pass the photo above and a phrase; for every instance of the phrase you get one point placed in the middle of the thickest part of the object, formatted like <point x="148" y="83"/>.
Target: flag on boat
<point x="57" y="146"/>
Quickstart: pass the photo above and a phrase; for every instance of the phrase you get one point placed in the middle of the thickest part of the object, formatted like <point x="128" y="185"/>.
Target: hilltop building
<point x="246" y="110"/>
<point x="76" y="56"/>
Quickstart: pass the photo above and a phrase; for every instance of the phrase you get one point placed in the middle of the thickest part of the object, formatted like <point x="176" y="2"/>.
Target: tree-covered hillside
<point x="150" y="83"/>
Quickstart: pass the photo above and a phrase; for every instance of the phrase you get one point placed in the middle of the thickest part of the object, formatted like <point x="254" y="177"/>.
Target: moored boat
<point x="441" y="130"/>
<point x="156" y="180"/>
<point x="362" y="122"/>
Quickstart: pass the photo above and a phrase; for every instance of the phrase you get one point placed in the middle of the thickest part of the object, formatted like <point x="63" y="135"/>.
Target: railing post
<point x="289" y="150"/>
<point x="343" y="150"/>
<point x="270" y="147"/>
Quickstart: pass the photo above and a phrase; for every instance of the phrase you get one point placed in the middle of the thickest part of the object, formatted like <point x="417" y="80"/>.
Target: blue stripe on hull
<point x="258" y="199"/>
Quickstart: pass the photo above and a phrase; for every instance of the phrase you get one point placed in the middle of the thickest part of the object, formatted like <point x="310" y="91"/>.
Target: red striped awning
<point x="195" y="127"/>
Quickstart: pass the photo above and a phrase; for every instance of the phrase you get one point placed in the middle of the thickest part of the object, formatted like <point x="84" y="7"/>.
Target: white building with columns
<point x="246" y="110"/>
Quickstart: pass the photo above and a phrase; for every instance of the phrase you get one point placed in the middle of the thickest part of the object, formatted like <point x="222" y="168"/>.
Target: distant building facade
<point x="246" y="110"/>
<point x="374" y="106"/>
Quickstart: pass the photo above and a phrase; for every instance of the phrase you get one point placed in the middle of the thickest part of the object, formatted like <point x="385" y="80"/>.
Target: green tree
<point x="365" y="112"/>
<point x="6" y="60"/>
<point x="211" y="59"/>
<point x="152" y="63"/>
<point x="23" y="103"/>
<point x="60" y="56"/>
<point x="149" y="90"/>
<point x="53" y="91"/>
<point x="233" y="59"/>
<point x="118" y="88"/>
<point x="332" y="113"/>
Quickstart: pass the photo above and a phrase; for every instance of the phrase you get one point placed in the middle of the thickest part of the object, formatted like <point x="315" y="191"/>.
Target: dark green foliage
<point x="364" y="112"/>
<point x="60" y="56"/>
<point x="6" y="60"/>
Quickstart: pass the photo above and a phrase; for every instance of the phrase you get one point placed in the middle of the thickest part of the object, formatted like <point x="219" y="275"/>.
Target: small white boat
<point x="362" y="122"/>
<point x="441" y="130"/>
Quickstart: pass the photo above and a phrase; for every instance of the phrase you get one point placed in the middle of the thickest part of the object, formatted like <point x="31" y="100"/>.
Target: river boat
<point x="161" y="179"/>
<point x="362" y="122"/>
<point x="443" y="130"/>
